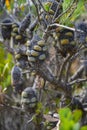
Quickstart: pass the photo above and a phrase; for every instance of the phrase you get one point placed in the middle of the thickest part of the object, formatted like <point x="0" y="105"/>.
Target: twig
<point x="36" y="6"/>
<point x="59" y="85"/>
<point x="67" y="71"/>
<point x="62" y="66"/>
<point x="63" y="26"/>
<point x="10" y="50"/>
<point x="78" y="73"/>
<point x="55" y="13"/>
<point x="9" y="15"/>
<point x="77" y="81"/>
<point x="55" y="25"/>
<point x="35" y="82"/>
<point x="42" y="6"/>
<point x="12" y="107"/>
<point x="33" y="25"/>
<point x="26" y="71"/>
<point x="7" y="23"/>
<point x="69" y="65"/>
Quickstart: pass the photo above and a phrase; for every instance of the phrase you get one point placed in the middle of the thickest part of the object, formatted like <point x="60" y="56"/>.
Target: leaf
<point x="2" y="54"/>
<point x="66" y="125"/>
<point x="84" y="128"/>
<point x="77" y="8"/>
<point x="77" y="114"/>
<point x="66" y="4"/>
<point x="65" y="113"/>
<point x="5" y="69"/>
<point x="47" y="6"/>
<point x="76" y="126"/>
<point x="39" y="107"/>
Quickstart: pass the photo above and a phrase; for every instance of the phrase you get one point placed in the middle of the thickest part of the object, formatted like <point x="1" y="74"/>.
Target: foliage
<point x="69" y="120"/>
<point x="76" y="10"/>
<point x="6" y="64"/>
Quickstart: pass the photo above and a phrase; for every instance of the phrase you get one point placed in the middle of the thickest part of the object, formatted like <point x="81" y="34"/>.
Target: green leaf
<point x="47" y="6"/>
<point x="65" y="113"/>
<point x="67" y="125"/>
<point x="39" y="107"/>
<point x="84" y="128"/>
<point x="77" y="114"/>
<point x="5" y="69"/>
<point x="76" y="126"/>
<point x="79" y="10"/>
<point x="66" y="4"/>
<point x="68" y="18"/>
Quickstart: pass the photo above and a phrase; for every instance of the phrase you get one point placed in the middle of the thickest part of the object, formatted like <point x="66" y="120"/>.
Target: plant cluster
<point x="45" y="45"/>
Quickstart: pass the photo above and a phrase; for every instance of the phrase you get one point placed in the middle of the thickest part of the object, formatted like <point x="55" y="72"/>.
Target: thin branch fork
<point x="43" y="71"/>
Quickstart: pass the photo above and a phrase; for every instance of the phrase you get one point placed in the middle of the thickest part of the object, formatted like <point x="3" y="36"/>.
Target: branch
<point x="66" y="27"/>
<point x="42" y="6"/>
<point x="69" y="65"/>
<point x="36" y="6"/>
<point x="78" y="73"/>
<point x="55" y="13"/>
<point x="33" y="25"/>
<point x="67" y="71"/>
<point x="77" y="81"/>
<point x="43" y="71"/>
<point x="9" y="15"/>
<point x="63" y="65"/>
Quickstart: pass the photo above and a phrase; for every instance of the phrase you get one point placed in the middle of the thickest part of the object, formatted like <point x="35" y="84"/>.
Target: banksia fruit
<point x="29" y="98"/>
<point x="66" y="42"/>
<point x="23" y="62"/>
<point x="18" y="38"/>
<point x="17" y="79"/>
<point x="24" y="24"/>
<point x="81" y="37"/>
<point x="16" y="75"/>
<point x="37" y="50"/>
<point x="6" y="29"/>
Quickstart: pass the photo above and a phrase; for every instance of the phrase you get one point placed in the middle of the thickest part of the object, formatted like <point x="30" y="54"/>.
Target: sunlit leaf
<point x="66" y="4"/>
<point x="5" y="68"/>
<point x="65" y="113"/>
<point x="84" y="128"/>
<point x="76" y="126"/>
<point x="77" y="114"/>
<point x="47" y="6"/>
<point x="69" y="17"/>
